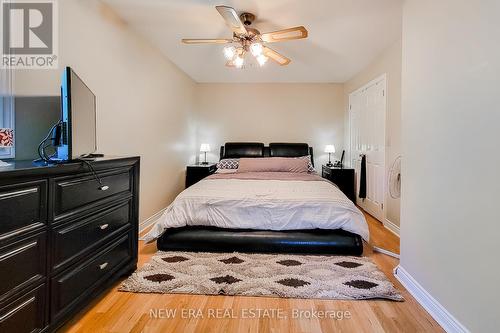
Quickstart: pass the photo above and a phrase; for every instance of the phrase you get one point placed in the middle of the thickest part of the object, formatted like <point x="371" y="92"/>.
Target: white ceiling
<point x="344" y="35"/>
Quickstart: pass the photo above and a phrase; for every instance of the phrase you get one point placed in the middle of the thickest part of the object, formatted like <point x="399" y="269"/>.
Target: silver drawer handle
<point x="18" y="250"/>
<point x="19" y="193"/>
<point x="104" y="226"/>
<point x="104" y="188"/>
<point x="17" y="308"/>
<point x="103" y="266"/>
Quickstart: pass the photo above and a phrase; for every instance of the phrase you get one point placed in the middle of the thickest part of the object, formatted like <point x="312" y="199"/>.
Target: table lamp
<point x="330" y="149"/>
<point x="6" y="141"/>
<point x="204" y="148"/>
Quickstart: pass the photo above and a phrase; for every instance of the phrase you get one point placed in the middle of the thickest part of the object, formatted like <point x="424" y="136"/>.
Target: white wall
<point x="274" y="112"/>
<point x="389" y="63"/>
<point x="144" y="102"/>
<point x="450" y="225"/>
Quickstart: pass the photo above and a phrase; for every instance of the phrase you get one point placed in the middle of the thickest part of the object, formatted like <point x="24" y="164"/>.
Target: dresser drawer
<point x="26" y="314"/>
<point x="22" y="208"/>
<point x="22" y="263"/>
<point x="71" y="240"/>
<point x="74" y="194"/>
<point x="71" y="287"/>
<point x="327" y="172"/>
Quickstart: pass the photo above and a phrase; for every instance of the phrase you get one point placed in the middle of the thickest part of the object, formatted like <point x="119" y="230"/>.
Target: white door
<point x="367" y="109"/>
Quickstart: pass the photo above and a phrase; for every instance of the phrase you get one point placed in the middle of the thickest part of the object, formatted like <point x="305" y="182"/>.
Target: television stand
<point x="64" y="239"/>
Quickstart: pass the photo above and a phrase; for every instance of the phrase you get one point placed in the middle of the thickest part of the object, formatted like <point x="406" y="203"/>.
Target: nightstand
<point x="196" y="172"/>
<point x="343" y="178"/>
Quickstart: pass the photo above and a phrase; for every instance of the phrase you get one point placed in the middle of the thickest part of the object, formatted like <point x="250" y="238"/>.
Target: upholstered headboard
<point x="257" y="149"/>
<point x="242" y="149"/>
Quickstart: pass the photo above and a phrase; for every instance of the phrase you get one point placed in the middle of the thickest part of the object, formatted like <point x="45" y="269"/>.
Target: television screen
<point x="78" y="117"/>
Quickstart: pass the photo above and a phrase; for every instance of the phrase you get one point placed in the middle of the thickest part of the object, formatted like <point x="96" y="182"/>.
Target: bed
<point x="262" y="212"/>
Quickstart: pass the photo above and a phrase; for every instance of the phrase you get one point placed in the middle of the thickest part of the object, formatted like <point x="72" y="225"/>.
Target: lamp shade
<point x="6" y="137"/>
<point x="329" y="149"/>
<point x="205" y="147"/>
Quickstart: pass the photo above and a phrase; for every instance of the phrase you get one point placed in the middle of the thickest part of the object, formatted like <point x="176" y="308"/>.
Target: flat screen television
<point x="78" y="105"/>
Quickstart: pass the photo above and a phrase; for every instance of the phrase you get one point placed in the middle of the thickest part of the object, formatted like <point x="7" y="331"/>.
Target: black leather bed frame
<point x="210" y="239"/>
<point x="257" y="149"/>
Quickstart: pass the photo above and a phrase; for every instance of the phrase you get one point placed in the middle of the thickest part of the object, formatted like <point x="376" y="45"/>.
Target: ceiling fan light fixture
<point x="261" y="59"/>
<point x="238" y="61"/>
<point x="246" y="39"/>
<point x="256" y="49"/>
<point x="229" y="52"/>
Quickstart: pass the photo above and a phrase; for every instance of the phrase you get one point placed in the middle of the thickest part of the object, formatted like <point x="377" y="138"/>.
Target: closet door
<point x="367" y="110"/>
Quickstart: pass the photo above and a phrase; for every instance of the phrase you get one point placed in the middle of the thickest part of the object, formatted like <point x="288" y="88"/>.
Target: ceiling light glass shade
<point x="238" y="61"/>
<point x="329" y="149"/>
<point x="256" y="49"/>
<point x="229" y="52"/>
<point x="262" y="59"/>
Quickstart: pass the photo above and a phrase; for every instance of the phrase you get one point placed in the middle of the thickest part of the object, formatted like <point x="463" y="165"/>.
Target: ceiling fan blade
<point x="284" y="35"/>
<point x="206" y="41"/>
<point x="279" y="58"/>
<point x="232" y="19"/>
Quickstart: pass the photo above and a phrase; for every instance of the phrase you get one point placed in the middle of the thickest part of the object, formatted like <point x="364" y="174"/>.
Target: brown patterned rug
<point x="275" y="275"/>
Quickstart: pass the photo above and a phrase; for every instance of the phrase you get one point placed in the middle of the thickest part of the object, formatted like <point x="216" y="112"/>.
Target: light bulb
<point x="256" y="49"/>
<point x="229" y="52"/>
<point x="238" y="61"/>
<point x="262" y="59"/>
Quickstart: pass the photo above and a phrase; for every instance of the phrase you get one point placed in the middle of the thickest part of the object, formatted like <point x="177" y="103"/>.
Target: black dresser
<point x="343" y="178"/>
<point x="64" y="238"/>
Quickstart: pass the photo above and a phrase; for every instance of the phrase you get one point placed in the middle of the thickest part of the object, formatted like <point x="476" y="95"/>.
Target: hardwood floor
<point x="128" y="312"/>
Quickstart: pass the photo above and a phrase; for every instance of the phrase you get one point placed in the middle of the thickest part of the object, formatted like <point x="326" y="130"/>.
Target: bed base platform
<point x="211" y="239"/>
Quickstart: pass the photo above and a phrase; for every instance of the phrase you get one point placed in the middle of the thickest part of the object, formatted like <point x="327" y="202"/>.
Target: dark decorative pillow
<point x="228" y="163"/>
<point x="310" y="167"/>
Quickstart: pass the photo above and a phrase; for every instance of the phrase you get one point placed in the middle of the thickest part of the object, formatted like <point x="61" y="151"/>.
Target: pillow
<point x="310" y="167"/>
<point x="228" y="163"/>
<point x="232" y="163"/>
<point x="273" y="164"/>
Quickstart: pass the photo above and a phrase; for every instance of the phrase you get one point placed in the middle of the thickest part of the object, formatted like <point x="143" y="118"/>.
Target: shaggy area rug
<point x="275" y="275"/>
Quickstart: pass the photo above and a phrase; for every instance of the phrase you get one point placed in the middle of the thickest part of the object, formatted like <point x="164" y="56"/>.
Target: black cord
<point x="43" y="144"/>
<point x="96" y="176"/>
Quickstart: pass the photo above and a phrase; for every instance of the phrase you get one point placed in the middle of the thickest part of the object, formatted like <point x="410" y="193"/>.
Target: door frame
<point x="379" y="78"/>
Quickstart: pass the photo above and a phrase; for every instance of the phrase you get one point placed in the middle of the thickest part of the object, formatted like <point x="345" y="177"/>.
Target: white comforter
<point x="262" y="204"/>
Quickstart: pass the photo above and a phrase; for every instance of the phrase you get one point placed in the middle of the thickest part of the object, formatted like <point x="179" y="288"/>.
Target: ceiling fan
<point x="249" y="39"/>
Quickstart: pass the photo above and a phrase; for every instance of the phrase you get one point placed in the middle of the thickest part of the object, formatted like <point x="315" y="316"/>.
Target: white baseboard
<point x="151" y="220"/>
<point x="449" y="323"/>
<point x="391" y="227"/>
